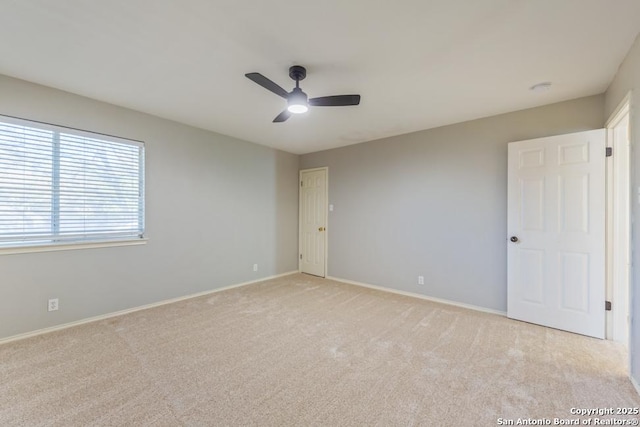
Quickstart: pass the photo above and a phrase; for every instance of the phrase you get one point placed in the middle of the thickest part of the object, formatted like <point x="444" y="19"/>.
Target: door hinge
<point x="300" y="256"/>
<point x="607" y="305"/>
<point x="609" y="151"/>
<point x="301" y="183"/>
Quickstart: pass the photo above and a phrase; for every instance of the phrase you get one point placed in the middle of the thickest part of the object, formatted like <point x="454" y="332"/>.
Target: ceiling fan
<point x="297" y="100"/>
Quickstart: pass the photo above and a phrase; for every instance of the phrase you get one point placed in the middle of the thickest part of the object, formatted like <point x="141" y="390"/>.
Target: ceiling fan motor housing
<point x="297" y="96"/>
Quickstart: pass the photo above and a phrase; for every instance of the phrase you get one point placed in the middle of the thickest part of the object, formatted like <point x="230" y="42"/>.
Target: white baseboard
<point x="133" y="310"/>
<point x="424" y="297"/>
<point x="635" y="384"/>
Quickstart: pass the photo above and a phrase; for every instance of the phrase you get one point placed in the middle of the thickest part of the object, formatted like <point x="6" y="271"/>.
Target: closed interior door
<point x="556" y="226"/>
<point x="313" y="221"/>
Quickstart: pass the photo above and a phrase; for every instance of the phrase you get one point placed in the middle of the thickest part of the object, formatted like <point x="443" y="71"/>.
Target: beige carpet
<point x="305" y="351"/>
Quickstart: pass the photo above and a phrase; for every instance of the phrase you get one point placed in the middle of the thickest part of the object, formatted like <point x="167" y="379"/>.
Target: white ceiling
<point x="418" y="64"/>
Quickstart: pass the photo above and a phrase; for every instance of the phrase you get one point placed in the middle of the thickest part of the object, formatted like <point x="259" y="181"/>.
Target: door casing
<point x="619" y="201"/>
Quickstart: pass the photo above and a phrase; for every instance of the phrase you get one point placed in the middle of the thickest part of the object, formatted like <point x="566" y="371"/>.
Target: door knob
<point x="513" y="239"/>
<point x="321" y="229"/>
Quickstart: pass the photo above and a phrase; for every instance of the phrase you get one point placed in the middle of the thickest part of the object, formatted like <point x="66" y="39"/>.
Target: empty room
<point x="410" y="213"/>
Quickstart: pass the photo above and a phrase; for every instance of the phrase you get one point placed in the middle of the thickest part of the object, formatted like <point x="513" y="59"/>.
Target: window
<point x="61" y="185"/>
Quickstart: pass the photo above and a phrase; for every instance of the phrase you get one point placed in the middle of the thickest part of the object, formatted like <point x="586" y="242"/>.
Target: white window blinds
<point x="60" y="185"/>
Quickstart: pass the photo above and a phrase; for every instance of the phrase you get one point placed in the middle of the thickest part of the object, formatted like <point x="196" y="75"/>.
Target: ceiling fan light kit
<point x="297" y="100"/>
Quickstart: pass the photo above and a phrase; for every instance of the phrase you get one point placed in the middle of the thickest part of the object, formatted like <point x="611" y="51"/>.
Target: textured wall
<point x="215" y="206"/>
<point x="434" y="203"/>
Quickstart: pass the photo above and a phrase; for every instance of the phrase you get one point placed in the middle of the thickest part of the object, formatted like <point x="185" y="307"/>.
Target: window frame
<point x="89" y="242"/>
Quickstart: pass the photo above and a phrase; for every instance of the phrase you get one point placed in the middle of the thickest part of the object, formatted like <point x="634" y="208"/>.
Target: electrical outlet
<point x="420" y="280"/>
<point x="53" y="304"/>
<point x="255" y="267"/>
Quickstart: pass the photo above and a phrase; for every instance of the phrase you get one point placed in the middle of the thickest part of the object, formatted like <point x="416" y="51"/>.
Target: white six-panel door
<point x="313" y="221"/>
<point x="556" y="232"/>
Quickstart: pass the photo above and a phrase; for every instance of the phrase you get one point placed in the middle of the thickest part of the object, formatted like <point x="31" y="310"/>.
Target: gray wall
<point x="215" y="206"/>
<point x="434" y="203"/>
<point x="628" y="79"/>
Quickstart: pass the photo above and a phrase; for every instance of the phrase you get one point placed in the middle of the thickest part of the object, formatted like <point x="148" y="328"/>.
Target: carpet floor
<point x="304" y="351"/>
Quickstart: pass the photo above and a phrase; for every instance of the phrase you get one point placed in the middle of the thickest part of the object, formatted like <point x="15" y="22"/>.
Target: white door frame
<point x="618" y="289"/>
<point x="326" y="218"/>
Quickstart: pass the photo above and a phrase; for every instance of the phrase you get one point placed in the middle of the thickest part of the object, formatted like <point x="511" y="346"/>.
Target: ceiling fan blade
<point x="282" y="116"/>
<point x="267" y="84"/>
<point x="335" y="101"/>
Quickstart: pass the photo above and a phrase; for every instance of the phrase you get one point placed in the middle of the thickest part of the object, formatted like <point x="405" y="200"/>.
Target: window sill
<point x="70" y="246"/>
